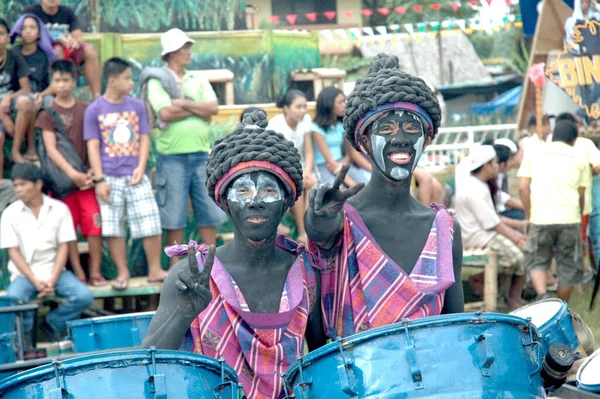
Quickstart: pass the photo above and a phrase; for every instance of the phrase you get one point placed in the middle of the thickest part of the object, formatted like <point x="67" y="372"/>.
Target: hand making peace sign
<point x="327" y="200"/>
<point x="193" y="285"/>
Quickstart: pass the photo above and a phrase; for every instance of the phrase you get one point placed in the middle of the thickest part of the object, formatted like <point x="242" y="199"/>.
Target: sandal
<point x="31" y="157"/>
<point x="120" y="285"/>
<point x="98" y="281"/>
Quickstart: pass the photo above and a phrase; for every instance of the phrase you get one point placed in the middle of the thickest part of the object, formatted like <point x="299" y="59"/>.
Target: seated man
<point x="481" y="225"/>
<point x="36" y="231"/>
<point x="64" y="29"/>
<point x="16" y="109"/>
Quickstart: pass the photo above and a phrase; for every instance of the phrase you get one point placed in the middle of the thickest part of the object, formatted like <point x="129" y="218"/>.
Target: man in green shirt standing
<point x="183" y="141"/>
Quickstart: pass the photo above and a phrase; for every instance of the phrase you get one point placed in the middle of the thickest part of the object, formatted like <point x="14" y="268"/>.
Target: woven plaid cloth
<point x="362" y="288"/>
<point x="258" y="346"/>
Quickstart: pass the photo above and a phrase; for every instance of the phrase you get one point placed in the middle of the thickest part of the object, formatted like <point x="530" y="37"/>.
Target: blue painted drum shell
<point x="558" y="330"/>
<point x="447" y="357"/>
<point x="7" y="347"/>
<point x="7" y="320"/>
<point x="109" y="332"/>
<point x="123" y="375"/>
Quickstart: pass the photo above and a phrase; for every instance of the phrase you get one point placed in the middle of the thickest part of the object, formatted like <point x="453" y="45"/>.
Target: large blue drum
<point x="109" y="332"/>
<point x="139" y="374"/>
<point x="445" y="357"/>
<point x="553" y="321"/>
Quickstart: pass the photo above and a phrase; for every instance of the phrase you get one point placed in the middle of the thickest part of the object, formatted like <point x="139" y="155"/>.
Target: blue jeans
<point x="77" y="294"/>
<point x="515" y="214"/>
<point x="179" y="177"/>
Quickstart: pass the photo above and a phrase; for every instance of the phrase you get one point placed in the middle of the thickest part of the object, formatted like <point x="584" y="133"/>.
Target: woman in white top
<point x="295" y="123"/>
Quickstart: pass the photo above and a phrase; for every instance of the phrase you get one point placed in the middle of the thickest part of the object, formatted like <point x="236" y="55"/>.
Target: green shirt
<point x="189" y="135"/>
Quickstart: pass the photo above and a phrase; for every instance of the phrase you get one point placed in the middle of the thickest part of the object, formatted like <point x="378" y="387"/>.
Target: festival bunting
<point x="367" y="12"/>
<point x="416" y="31"/>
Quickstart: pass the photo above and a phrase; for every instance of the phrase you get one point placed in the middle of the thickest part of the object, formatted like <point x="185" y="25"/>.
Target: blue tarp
<point x="505" y="103"/>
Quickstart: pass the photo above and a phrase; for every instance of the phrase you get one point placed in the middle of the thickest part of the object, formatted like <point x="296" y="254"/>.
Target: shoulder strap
<point x="58" y="123"/>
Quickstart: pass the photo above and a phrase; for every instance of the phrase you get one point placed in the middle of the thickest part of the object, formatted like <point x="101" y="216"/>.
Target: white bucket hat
<point x="172" y="40"/>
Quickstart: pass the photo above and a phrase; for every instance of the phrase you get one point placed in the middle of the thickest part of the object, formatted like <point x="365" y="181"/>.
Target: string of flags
<point x="458" y="26"/>
<point x="367" y="12"/>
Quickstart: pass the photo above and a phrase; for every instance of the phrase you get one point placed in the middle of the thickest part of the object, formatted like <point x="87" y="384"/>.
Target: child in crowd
<point x="118" y="142"/>
<point x="82" y="203"/>
<point x="36" y="48"/>
<point x="63" y="26"/>
<point x="36" y="230"/>
<point x="16" y="108"/>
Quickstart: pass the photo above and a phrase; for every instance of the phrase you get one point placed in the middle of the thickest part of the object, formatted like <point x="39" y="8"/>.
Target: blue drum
<point x="7" y="320"/>
<point x="553" y="321"/>
<point x="139" y="374"/>
<point x="588" y="375"/>
<point x="7" y="347"/>
<point x="468" y="355"/>
<point x="110" y="332"/>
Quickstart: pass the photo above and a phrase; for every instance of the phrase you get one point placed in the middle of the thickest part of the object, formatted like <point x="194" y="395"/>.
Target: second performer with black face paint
<point x="391" y="257"/>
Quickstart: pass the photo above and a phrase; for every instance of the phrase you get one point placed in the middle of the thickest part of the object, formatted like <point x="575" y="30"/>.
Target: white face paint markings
<point x="379" y="142"/>
<point x="244" y="191"/>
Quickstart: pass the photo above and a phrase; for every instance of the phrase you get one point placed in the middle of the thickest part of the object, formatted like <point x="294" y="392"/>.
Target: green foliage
<point x="506" y="47"/>
<point x="288" y="57"/>
<point x="155" y="16"/>
<point x="411" y="16"/>
<point x="139" y="16"/>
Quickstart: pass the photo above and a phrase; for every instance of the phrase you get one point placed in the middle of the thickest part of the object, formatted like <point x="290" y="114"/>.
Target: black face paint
<point x="256" y="202"/>
<point x="397" y="141"/>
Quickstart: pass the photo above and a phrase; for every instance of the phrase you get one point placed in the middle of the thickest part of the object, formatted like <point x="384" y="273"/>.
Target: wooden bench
<point x="221" y="76"/>
<point x="473" y="261"/>
<point x="318" y="77"/>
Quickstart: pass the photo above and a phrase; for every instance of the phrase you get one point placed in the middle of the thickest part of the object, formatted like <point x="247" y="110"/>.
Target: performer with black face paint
<point x="390" y="257"/>
<point x="251" y="301"/>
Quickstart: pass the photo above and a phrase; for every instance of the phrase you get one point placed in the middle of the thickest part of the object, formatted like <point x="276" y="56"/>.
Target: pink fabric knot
<point x="182" y="250"/>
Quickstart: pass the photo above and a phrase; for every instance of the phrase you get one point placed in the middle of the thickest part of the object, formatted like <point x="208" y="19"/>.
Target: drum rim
<point x="582" y="368"/>
<point x="46" y="372"/>
<point x="564" y="309"/>
<point x="422" y="322"/>
<point x="105" y="319"/>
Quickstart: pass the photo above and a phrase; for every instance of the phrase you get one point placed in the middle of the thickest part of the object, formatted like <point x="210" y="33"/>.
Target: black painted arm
<point x="454" y="301"/>
<point x="169" y="324"/>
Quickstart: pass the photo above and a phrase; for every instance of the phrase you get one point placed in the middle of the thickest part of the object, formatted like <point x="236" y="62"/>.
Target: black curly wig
<point x="386" y="83"/>
<point x="251" y="142"/>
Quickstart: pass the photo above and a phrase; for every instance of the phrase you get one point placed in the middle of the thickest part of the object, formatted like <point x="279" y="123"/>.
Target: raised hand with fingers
<point x="193" y="285"/>
<point x="327" y="200"/>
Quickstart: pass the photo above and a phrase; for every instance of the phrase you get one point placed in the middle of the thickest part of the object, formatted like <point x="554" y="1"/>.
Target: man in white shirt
<point x="480" y="224"/>
<point x="36" y="230"/>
